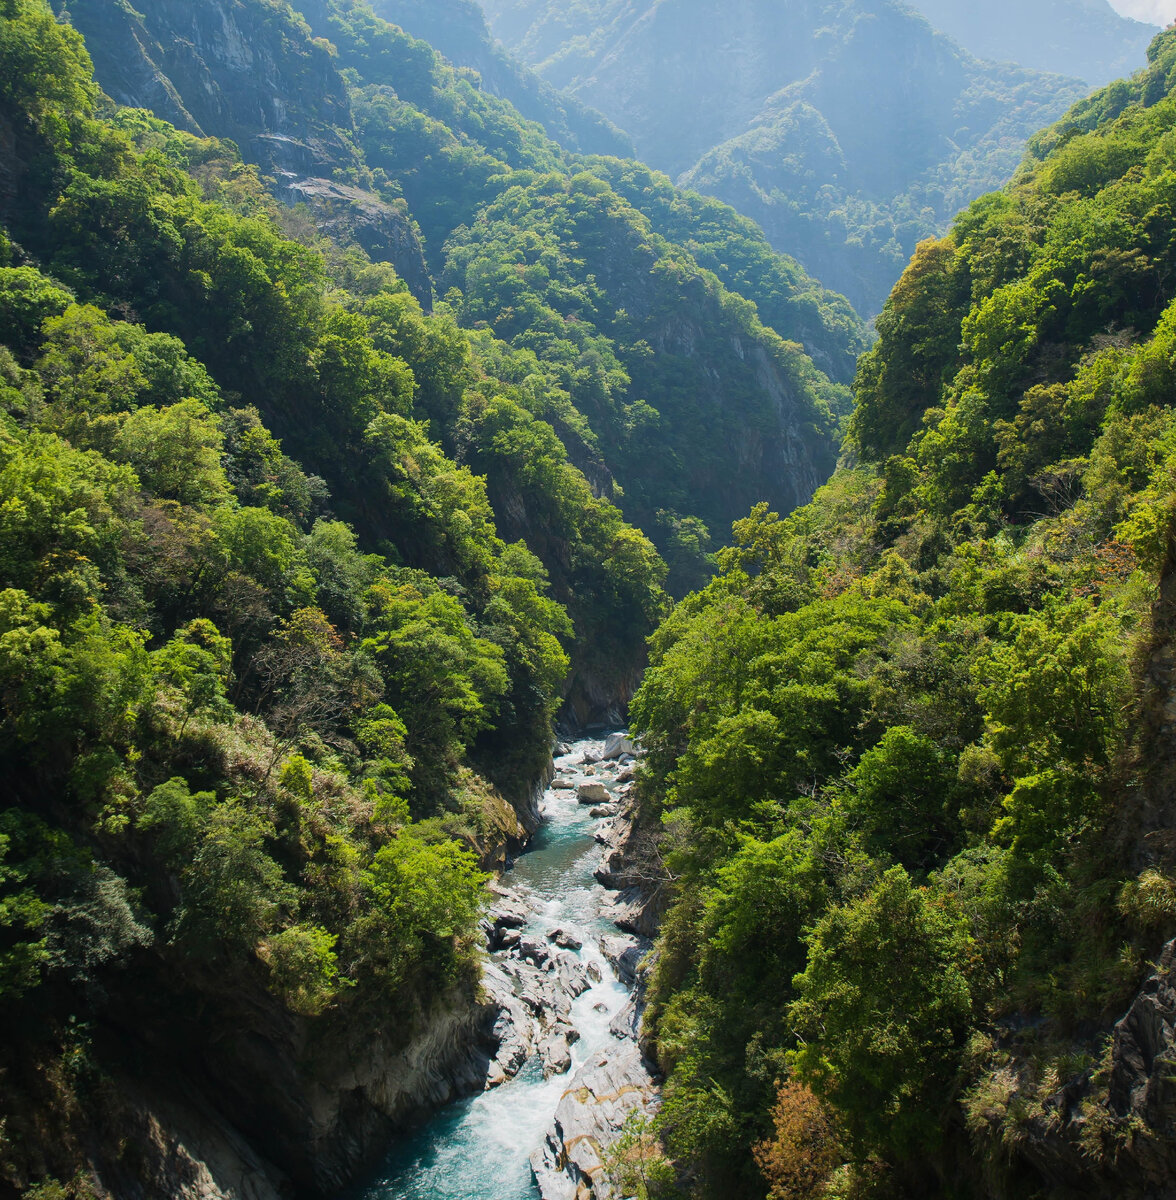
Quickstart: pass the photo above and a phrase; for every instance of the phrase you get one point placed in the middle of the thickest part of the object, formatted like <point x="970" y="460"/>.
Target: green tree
<point x="882" y="1008"/>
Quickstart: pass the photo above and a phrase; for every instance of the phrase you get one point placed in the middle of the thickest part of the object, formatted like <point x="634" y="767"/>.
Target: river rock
<point x="627" y="1023"/>
<point x="563" y="785"/>
<point x="563" y="939"/>
<point x="626" y="776"/>
<point x="512" y="1029"/>
<point x="611" y="872"/>
<point x="555" y="1054"/>
<point x="625" y="953"/>
<point x="605" y="810"/>
<point x="593" y="793"/>
<point x="533" y="950"/>
<point x="570" y="975"/>
<point x="618" y="745"/>
<point x="588" y="1120"/>
<point x="635" y="911"/>
<point x="509" y="912"/>
<point x="589" y="757"/>
<point x="592" y="970"/>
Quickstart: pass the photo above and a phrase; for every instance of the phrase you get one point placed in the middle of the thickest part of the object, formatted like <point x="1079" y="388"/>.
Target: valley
<point x="396" y="397"/>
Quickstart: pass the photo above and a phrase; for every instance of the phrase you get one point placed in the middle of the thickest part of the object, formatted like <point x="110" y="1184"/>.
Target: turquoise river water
<point x="479" y="1148"/>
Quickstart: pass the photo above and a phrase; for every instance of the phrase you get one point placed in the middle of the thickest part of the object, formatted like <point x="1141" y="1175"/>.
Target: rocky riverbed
<point x="568" y="934"/>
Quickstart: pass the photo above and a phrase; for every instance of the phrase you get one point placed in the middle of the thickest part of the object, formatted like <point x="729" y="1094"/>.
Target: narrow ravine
<point x="557" y="961"/>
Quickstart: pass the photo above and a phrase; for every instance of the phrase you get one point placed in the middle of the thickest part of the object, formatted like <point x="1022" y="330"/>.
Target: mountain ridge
<point x="827" y="170"/>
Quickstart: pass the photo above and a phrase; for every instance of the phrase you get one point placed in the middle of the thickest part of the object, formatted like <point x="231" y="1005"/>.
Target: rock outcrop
<point x="350" y="214"/>
<point x="571" y="1163"/>
<point x="1110" y="1129"/>
<point x="251" y="74"/>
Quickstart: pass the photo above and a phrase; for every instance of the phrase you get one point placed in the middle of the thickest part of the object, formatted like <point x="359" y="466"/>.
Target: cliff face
<point x="252" y="74"/>
<point x="227" y="69"/>
<point x="238" y="1100"/>
<point x="1107" y="1130"/>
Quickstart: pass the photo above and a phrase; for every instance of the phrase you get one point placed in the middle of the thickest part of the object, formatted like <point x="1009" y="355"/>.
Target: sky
<point x="1159" y="12"/>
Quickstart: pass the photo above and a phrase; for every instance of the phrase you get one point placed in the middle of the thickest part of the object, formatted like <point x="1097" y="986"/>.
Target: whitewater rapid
<point x="480" y="1148"/>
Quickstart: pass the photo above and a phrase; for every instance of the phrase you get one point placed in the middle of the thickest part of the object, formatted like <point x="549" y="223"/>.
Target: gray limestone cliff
<point x="254" y="75"/>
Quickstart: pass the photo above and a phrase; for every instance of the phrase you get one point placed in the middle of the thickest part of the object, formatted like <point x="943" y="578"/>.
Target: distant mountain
<point x="849" y="129"/>
<point x="1084" y="38"/>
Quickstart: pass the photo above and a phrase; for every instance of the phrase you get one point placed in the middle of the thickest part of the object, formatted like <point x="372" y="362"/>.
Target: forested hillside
<point x="406" y="151"/>
<point x="356" y="429"/>
<point x="912" y="752"/>
<point x="301" y="562"/>
<point x="847" y="129"/>
<point x="457" y="29"/>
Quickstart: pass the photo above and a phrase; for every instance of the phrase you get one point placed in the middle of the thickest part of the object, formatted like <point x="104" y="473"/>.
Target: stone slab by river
<point x="567" y="1071"/>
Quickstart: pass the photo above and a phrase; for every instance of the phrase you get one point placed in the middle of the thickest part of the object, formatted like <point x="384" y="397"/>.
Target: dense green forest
<point x="355" y="429"/>
<point x="301" y="563"/>
<point x="603" y="325"/>
<point x="848" y="129"/>
<point x="911" y="749"/>
<point x="262" y="718"/>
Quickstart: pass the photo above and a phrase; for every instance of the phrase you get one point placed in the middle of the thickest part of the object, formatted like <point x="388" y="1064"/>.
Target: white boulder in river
<point x="593" y="793"/>
<point x="618" y="745"/>
<point x="603" y="1092"/>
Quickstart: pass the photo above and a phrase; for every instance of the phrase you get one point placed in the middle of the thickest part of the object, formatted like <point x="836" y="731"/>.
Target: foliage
<point x="803" y="1151"/>
<point x="854" y="132"/>
<point x="902" y="747"/>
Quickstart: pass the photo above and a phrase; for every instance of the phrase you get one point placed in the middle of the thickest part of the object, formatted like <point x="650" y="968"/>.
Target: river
<point x="479" y="1148"/>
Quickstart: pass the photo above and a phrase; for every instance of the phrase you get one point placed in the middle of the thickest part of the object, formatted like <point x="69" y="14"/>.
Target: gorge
<point x="564" y="977"/>
<point x="371" y="419"/>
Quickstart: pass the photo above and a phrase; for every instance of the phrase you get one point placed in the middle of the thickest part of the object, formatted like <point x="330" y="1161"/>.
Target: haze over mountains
<point x="849" y="129"/>
<point x="1083" y="38"/>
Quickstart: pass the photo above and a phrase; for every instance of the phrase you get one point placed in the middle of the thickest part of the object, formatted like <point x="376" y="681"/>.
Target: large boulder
<point x="618" y="745"/>
<point x="625" y="954"/>
<point x="593" y="793"/>
<point x="564" y="939"/>
<point x="589" y="1119"/>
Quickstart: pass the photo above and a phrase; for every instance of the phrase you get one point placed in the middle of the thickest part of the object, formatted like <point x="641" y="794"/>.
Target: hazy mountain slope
<point x="414" y="132"/>
<point x="847" y="128"/>
<point x="1084" y="38"/>
<point x="457" y="28"/>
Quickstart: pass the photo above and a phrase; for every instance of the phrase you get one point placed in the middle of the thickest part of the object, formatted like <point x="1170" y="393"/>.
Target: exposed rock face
<point x="570" y="1165"/>
<point x="349" y="214"/>
<point x="1096" y="1139"/>
<point x="240" y="1099"/>
<point x="223" y="69"/>
<point x="625" y="954"/>
<point x="182" y="1150"/>
<point x="227" y="69"/>
<point x="1143" y="1071"/>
